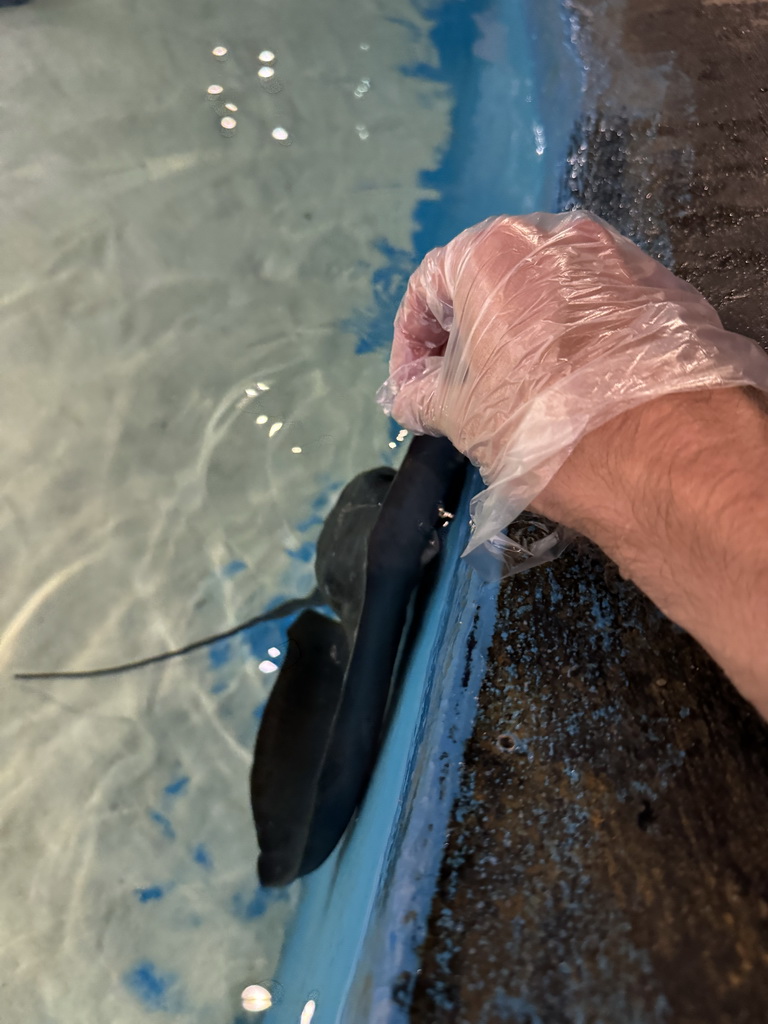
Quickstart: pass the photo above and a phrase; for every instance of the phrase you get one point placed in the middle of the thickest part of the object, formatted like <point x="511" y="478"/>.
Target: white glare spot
<point x="251" y="392"/>
<point x="256" y="998"/>
<point x="261" y="420"/>
<point x="308" y="1012"/>
<point x="274" y="428"/>
<point x="274" y="652"/>
<point x="262" y="386"/>
<point x="267" y="667"/>
<point x="215" y="90"/>
<point x="266" y="56"/>
<point x="280" y="134"/>
<point x="228" y="124"/>
<point x="296" y="450"/>
<point x="362" y="131"/>
<point x="219" y="51"/>
<point x="365" y="46"/>
<point x="231" y="106"/>
<point x="363" y="87"/>
<point x="541" y="142"/>
<point x="402" y="435"/>
<point x="392" y="444"/>
<point x="266" y="73"/>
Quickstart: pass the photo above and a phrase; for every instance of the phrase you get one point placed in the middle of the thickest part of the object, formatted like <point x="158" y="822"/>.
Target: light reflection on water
<point x="154" y="282"/>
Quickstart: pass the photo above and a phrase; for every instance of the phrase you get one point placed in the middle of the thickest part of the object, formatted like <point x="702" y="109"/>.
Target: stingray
<point x="292" y="743"/>
<point x="339" y="571"/>
<point x="323" y="723"/>
<point x="324" y="748"/>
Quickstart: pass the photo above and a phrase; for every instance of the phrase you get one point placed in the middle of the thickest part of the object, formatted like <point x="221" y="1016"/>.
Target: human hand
<point x="524" y="333"/>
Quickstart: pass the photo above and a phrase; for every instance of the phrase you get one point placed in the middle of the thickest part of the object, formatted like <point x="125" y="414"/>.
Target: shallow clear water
<point x="153" y="273"/>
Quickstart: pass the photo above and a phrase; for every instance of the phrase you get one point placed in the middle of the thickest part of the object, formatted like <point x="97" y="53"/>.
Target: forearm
<point x="676" y="493"/>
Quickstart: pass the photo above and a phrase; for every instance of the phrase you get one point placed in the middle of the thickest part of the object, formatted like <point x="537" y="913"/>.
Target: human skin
<point x="528" y="333"/>
<point x="676" y="493"/>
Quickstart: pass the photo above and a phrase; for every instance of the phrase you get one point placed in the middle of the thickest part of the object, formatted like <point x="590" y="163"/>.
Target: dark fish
<point x="400" y="539"/>
<point x="339" y="570"/>
<point x="342" y="547"/>
<point x="292" y="743"/>
<point x="322" y="727"/>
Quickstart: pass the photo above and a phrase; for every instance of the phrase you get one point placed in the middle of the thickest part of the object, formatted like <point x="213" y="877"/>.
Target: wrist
<point x="622" y="476"/>
<point x="676" y="493"/>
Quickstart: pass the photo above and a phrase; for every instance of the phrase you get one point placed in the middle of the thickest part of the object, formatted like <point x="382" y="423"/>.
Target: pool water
<point x="194" y="319"/>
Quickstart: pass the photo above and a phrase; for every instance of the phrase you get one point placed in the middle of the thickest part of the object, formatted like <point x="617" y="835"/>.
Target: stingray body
<point x="322" y="725"/>
<point x="339" y="749"/>
<point x="342" y="547"/>
<point x="293" y="740"/>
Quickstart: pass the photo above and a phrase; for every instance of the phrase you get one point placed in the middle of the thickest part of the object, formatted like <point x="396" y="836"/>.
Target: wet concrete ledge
<point x="606" y="860"/>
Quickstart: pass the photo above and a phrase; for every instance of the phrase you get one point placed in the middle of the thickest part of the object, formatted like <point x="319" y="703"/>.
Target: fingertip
<point x="413" y="403"/>
<point x="425" y="313"/>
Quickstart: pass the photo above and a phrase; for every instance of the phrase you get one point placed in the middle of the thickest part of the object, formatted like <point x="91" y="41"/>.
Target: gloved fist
<point x="523" y="333"/>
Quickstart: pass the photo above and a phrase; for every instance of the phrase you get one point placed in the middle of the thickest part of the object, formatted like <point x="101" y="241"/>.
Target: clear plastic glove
<point x="524" y="333"/>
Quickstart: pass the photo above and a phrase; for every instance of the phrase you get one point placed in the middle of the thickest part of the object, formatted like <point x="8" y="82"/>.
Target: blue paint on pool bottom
<point x="201" y="855"/>
<point x="177" y="786"/>
<point x="233" y="568"/>
<point x="248" y="906"/>
<point x="153" y="892"/>
<point x="219" y="653"/>
<point x="164" y="823"/>
<point x="304" y="553"/>
<point x="155" y="990"/>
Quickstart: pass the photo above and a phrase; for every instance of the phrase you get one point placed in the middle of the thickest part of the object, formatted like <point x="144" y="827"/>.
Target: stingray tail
<point x="297" y="604"/>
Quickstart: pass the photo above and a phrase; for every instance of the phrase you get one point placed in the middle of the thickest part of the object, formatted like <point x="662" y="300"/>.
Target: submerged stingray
<point x="339" y="571"/>
<point x="338" y="747"/>
<point x="322" y="726"/>
<point x="292" y="743"/>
